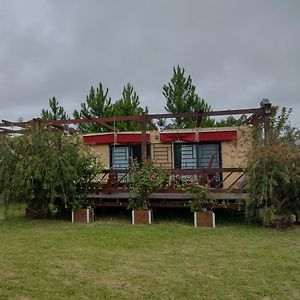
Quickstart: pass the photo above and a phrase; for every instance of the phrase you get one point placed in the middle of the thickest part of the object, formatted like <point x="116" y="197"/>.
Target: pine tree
<point x="128" y="105"/>
<point x="98" y="104"/>
<point x="56" y="111"/>
<point x="181" y="97"/>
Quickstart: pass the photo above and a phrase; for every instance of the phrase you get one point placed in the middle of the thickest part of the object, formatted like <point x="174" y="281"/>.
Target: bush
<point x="144" y="180"/>
<point x="46" y="169"/>
<point x="274" y="173"/>
<point x="201" y="197"/>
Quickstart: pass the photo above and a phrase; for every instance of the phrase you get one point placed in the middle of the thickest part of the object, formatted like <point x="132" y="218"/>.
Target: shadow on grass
<point x="122" y="215"/>
<point x="228" y="217"/>
<point x="224" y="217"/>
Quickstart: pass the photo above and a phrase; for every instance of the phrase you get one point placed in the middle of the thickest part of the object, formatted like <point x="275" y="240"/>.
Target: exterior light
<point x="265" y="103"/>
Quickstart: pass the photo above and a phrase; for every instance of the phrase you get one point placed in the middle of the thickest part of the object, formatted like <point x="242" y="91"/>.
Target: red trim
<point x="218" y="136"/>
<point x="136" y="138"/>
<point x="130" y="138"/>
<point x="170" y="137"/>
<point x="212" y="136"/>
<point x="99" y="139"/>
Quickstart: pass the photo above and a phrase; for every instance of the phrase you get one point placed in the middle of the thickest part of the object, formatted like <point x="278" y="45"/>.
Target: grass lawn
<point x="111" y="259"/>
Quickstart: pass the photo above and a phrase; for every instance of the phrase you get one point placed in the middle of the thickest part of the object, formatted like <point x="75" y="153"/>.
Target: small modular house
<point x="213" y="155"/>
<point x="177" y="150"/>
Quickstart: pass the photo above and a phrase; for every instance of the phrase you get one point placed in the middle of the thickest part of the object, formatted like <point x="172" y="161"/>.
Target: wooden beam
<point x="152" y="125"/>
<point x="66" y="128"/>
<point x="137" y="118"/>
<point x="224" y="195"/>
<point x="188" y="171"/>
<point x="199" y="119"/>
<point x="267" y="108"/>
<point x="158" y="116"/>
<point x="205" y="171"/>
<point x="205" y="114"/>
<point x="233" y="183"/>
<point x="143" y="121"/>
<point x="103" y="124"/>
<point x="6" y="130"/>
<point x="220" y="184"/>
<point x="12" y="124"/>
<point x="103" y="120"/>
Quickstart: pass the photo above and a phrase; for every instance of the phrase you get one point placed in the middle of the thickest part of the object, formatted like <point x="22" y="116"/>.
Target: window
<point x="192" y="156"/>
<point x="185" y="156"/>
<point x="209" y="154"/>
<point x="200" y="155"/>
<point x="120" y="161"/>
<point x="122" y="155"/>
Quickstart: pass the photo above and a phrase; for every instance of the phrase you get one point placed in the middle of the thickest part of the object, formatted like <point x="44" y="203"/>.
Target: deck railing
<point x="218" y="179"/>
<point x="113" y="192"/>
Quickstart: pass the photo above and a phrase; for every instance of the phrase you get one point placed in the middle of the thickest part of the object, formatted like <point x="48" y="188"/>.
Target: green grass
<point x="112" y="259"/>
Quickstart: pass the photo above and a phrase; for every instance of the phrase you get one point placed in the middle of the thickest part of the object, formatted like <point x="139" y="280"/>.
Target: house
<point x="216" y="152"/>
<point x="214" y="156"/>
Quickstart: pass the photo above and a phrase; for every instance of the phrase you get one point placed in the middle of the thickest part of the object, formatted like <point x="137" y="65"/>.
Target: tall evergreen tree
<point x="56" y="111"/>
<point x="181" y="97"/>
<point x="128" y="105"/>
<point x="98" y="104"/>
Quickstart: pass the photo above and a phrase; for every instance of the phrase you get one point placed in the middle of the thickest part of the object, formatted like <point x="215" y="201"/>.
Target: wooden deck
<point x="120" y="199"/>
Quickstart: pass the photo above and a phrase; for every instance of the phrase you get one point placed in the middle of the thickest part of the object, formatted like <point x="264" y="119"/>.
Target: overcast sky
<point x="237" y="52"/>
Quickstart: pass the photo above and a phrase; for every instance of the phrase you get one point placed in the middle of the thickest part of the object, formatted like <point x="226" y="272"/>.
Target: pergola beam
<point x="66" y="128"/>
<point x="150" y="117"/>
<point x="6" y="130"/>
<point x="205" y="114"/>
<point x="261" y="114"/>
<point x="152" y="125"/>
<point x="103" y="124"/>
<point x="12" y="124"/>
<point x="253" y="119"/>
<point x="94" y="120"/>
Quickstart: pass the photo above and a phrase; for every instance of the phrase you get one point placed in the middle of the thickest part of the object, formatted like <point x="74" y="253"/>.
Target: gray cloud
<point x="237" y="52"/>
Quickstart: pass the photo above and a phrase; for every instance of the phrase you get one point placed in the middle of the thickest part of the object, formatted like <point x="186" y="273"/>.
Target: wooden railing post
<point x="144" y="137"/>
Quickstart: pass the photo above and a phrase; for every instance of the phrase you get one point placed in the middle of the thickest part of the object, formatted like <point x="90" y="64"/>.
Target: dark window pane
<point x="208" y="153"/>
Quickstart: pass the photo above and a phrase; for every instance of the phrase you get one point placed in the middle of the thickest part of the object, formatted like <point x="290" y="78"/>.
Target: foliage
<point x="98" y="104"/>
<point x="231" y="121"/>
<point x="280" y="126"/>
<point x="144" y="180"/>
<point x="279" y="123"/>
<point x="56" y="111"/>
<point x="128" y="105"/>
<point x="268" y="215"/>
<point x="274" y="171"/>
<point x="181" y="97"/>
<point x="201" y="197"/>
<point x="46" y="169"/>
